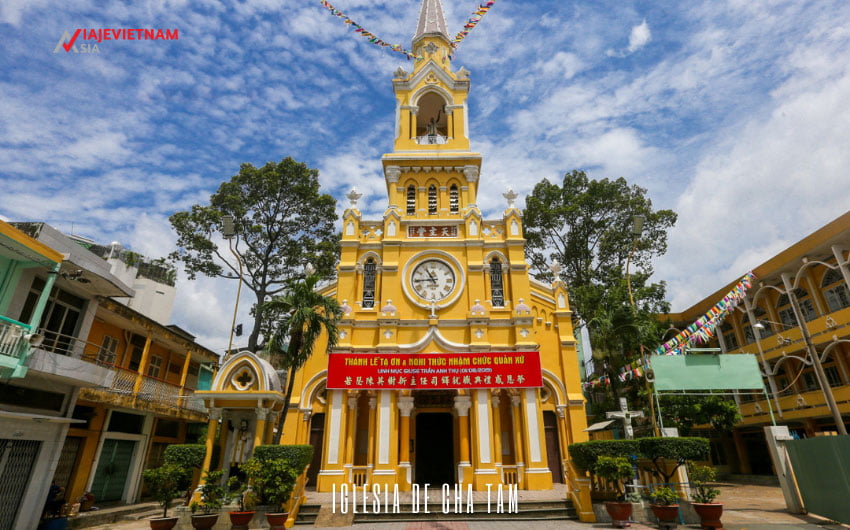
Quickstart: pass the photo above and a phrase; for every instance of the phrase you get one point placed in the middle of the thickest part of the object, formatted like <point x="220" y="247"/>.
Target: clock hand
<point x="433" y="279"/>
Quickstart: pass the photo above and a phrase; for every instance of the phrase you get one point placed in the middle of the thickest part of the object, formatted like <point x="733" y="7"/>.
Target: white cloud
<point x="639" y="37"/>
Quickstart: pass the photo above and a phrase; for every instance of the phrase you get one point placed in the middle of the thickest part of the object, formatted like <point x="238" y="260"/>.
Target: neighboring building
<point x="433" y="277"/>
<point x="47" y="289"/>
<point x="121" y="381"/>
<point x="816" y="270"/>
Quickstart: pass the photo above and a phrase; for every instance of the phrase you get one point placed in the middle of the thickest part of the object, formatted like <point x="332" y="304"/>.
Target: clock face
<point x="433" y="280"/>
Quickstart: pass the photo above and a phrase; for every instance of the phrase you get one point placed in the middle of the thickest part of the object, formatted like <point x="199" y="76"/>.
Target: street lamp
<point x="228" y="230"/>
<point x="637" y="230"/>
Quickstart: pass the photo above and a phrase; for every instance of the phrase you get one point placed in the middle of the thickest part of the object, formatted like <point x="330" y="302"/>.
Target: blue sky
<point x="734" y="113"/>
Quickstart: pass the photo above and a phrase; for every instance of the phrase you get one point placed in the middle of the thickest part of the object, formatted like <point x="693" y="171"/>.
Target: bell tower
<point x="431" y="147"/>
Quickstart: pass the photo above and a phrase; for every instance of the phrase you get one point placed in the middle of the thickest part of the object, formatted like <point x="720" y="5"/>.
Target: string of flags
<point x="473" y="21"/>
<point x="703" y="329"/>
<point x="626" y="373"/>
<point x="371" y="37"/>
<point x="699" y="332"/>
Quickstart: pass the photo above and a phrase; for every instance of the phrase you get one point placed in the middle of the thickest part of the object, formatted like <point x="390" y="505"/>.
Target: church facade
<point x="453" y="365"/>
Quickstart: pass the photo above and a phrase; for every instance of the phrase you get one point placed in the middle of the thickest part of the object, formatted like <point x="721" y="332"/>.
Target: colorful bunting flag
<point x="704" y="328"/>
<point x="371" y="37"/>
<point x="473" y="21"/>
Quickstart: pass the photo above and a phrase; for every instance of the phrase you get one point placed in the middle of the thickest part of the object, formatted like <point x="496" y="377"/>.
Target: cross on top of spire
<point x="431" y="20"/>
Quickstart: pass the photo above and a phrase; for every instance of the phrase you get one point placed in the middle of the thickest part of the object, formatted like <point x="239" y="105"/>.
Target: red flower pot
<point x="619" y="512"/>
<point x="277" y="520"/>
<point x="240" y="520"/>
<point x="709" y="514"/>
<point x="204" y="522"/>
<point x="666" y="515"/>
<point x="163" y="523"/>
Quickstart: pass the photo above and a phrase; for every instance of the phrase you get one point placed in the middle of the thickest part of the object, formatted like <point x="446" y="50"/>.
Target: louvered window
<point x="432" y="199"/>
<point x="411" y="200"/>
<point x="453" y="199"/>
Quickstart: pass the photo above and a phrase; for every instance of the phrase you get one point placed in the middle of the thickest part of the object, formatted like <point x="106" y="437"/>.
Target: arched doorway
<point x="317" y="437"/>
<point x="553" y="446"/>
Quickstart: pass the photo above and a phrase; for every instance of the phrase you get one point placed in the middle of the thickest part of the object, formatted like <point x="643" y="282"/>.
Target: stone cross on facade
<point x="625" y="415"/>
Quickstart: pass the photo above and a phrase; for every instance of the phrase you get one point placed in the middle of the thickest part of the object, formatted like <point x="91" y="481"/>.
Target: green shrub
<point x="585" y="454"/>
<point x="211" y="492"/>
<point x="164" y="483"/>
<point x="663" y="496"/>
<point x="298" y="456"/>
<point x="271" y="480"/>
<point x="700" y="477"/>
<point x="678" y="450"/>
<point x="185" y="455"/>
<point x="616" y="469"/>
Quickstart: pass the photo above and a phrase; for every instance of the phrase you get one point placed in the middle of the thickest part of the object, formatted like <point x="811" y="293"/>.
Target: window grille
<point x="432" y="199"/>
<point x="369" y="270"/>
<point x="497" y="290"/>
<point x="454" y="204"/>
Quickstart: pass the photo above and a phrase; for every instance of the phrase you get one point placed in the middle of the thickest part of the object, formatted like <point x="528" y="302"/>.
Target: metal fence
<point x="821" y="467"/>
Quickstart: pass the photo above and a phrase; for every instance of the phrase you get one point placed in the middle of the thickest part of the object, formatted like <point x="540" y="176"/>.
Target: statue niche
<point x="431" y="120"/>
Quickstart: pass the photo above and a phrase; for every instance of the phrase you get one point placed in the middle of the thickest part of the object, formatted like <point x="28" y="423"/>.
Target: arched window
<point x="432" y="199"/>
<point x="497" y="289"/>
<point x="835" y="291"/>
<point x="411" y="200"/>
<point x="453" y="199"/>
<point x="369" y="269"/>
<point x="786" y="311"/>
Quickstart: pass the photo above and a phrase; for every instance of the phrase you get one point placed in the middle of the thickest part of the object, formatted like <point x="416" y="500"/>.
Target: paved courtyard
<point x="746" y="507"/>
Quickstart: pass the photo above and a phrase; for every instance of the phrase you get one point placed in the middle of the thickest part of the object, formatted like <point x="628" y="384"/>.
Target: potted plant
<point x="236" y="491"/>
<point x="164" y="484"/>
<point x="665" y="505"/>
<point x="617" y="470"/>
<point x="211" y="497"/>
<point x="272" y="482"/>
<point x="703" y="496"/>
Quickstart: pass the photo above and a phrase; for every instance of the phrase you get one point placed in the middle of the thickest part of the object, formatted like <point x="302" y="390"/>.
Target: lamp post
<point x="637" y="230"/>
<point x="228" y="230"/>
<point x="812" y="351"/>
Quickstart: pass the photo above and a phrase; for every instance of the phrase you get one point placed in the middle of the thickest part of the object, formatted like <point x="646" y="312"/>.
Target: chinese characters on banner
<point x="431" y="231"/>
<point x="434" y="370"/>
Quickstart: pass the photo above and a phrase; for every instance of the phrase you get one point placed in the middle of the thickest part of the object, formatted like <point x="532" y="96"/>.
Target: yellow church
<point x="453" y="365"/>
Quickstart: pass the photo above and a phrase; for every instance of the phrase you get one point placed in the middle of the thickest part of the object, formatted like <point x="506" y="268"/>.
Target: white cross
<point x="625" y="415"/>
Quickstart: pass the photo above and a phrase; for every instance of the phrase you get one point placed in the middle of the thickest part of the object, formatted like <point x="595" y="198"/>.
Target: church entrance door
<point x="434" y="448"/>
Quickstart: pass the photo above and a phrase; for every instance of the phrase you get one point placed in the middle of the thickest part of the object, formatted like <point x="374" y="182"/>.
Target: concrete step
<point x="148" y="514"/>
<point x="111" y="515"/>
<point x="527" y="511"/>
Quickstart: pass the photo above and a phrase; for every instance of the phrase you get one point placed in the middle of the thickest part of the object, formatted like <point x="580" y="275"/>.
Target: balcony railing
<point x="152" y="389"/>
<point x="13" y="343"/>
<point x="71" y="346"/>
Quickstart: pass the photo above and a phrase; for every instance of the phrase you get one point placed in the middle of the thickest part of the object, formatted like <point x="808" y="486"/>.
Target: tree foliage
<point x="586" y="225"/>
<point x="684" y="412"/>
<point x="305" y="313"/>
<point x="282" y="223"/>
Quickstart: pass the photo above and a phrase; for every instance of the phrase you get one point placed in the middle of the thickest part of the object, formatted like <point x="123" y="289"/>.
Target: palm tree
<point x="305" y="314"/>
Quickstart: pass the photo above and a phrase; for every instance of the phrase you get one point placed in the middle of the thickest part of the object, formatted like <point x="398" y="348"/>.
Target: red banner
<point x="428" y="371"/>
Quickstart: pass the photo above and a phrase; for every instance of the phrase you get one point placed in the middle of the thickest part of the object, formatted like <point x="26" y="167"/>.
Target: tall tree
<point x="586" y="225"/>
<point x="305" y="313"/>
<point x="282" y="223"/>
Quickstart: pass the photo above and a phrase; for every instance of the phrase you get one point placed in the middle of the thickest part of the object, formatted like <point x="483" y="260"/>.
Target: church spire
<point x="432" y="21"/>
